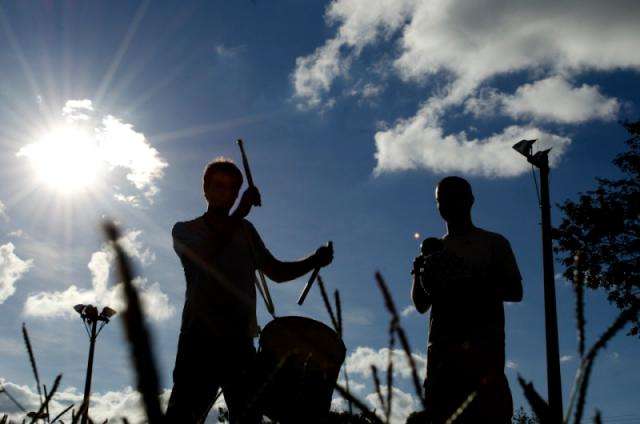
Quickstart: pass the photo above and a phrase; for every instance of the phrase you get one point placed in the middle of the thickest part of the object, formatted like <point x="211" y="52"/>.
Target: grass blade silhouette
<point x="11" y="398"/>
<point x="45" y="404"/>
<point x="404" y="342"/>
<point x="539" y="406"/>
<point x="623" y="319"/>
<point x="61" y="414"/>
<point x="376" y="384"/>
<point x="578" y="288"/>
<point x="389" y="386"/>
<point x="598" y="418"/>
<point x="336" y="295"/>
<point x="327" y="304"/>
<point x="137" y="333"/>
<point x="46" y="410"/>
<point x="32" y="359"/>
<point x="361" y="406"/>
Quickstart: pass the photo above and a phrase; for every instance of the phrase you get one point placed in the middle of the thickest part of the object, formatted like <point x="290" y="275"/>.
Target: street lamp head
<point x="107" y="313"/>
<point x="79" y="308"/>
<point x="524" y="147"/>
<point x="540" y="156"/>
<point x="90" y="313"/>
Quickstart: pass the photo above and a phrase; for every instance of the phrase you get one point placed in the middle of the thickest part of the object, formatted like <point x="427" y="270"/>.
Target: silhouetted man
<point x="220" y="254"/>
<point x="465" y="280"/>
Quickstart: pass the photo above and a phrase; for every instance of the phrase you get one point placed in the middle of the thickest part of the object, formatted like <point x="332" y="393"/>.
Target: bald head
<point x="455" y="199"/>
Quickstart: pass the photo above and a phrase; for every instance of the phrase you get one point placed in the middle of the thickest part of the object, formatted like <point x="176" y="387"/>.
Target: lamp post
<point x="554" y="383"/>
<point x="90" y="319"/>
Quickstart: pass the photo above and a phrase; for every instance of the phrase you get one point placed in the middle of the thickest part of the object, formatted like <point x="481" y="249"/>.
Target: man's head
<point x="221" y="183"/>
<point x="454" y="199"/>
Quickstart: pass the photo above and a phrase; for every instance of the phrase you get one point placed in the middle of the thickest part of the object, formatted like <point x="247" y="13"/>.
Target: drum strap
<point x="261" y="282"/>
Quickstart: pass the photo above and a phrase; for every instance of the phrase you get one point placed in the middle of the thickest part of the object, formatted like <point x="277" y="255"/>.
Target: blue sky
<point x="351" y="112"/>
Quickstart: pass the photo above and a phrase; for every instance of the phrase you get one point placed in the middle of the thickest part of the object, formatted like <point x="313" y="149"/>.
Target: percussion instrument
<point x="299" y="360"/>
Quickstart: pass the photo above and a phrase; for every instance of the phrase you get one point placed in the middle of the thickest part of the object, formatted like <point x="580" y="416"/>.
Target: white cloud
<point x="420" y="142"/>
<point x="566" y="358"/>
<point x="155" y="302"/>
<point x="121" y="146"/>
<point x="3" y="212"/>
<point x="354" y="386"/>
<point x="361" y="360"/>
<point x="11" y="269"/>
<point x="366" y="91"/>
<point x="360" y="22"/>
<point x="58" y="304"/>
<point x="89" y="144"/>
<point x="477" y="40"/>
<point x="358" y="316"/>
<point x="17" y="233"/>
<point x="338" y="404"/>
<point x="409" y="310"/>
<point x="112" y="405"/>
<point x="135" y="248"/>
<point x="77" y="110"/>
<point x="315" y="73"/>
<point x="552" y="99"/>
<point x="465" y="44"/>
<point x="402" y="404"/>
<point x="228" y="51"/>
<point x="129" y="199"/>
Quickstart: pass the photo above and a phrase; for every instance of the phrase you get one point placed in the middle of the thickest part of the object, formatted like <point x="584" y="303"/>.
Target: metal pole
<point x="554" y="383"/>
<point x="87" y="383"/>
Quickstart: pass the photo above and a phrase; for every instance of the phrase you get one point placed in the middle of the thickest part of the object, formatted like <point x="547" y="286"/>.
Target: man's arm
<point x="509" y="279"/>
<point x="281" y="271"/>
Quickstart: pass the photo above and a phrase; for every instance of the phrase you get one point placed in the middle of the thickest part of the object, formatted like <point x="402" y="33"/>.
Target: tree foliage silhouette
<point x="603" y="227"/>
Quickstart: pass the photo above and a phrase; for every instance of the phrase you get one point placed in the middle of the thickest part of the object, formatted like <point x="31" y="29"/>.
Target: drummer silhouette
<point x="220" y="253"/>
<point x="465" y="281"/>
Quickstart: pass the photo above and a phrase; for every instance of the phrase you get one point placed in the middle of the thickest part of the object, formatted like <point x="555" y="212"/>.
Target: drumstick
<point x="312" y="278"/>
<point x="247" y="170"/>
<point x="306" y="288"/>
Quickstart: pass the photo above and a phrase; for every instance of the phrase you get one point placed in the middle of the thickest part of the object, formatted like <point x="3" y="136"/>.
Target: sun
<point x="65" y="159"/>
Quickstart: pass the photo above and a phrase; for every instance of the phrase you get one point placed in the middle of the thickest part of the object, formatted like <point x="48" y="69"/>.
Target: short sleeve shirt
<point x="470" y="308"/>
<point x="220" y="294"/>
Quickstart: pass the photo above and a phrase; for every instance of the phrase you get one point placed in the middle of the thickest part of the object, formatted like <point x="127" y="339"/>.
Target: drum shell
<point x="299" y="360"/>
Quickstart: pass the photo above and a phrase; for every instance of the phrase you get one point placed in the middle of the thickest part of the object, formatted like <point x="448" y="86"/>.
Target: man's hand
<point x="250" y="197"/>
<point x="324" y="255"/>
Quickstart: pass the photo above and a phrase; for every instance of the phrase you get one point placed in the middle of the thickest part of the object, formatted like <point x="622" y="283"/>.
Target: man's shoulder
<point x="491" y="235"/>
<point x="182" y="227"/>
<point x="479" y="234"/>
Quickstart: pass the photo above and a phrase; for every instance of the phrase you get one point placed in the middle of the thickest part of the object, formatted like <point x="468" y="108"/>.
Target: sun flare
<point x="65" y="159"/>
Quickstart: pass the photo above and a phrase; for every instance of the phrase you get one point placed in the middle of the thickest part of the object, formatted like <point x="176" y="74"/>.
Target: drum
<point x="299" y="360"/>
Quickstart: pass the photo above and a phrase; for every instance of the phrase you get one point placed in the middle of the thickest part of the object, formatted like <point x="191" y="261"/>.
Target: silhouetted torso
<point x="220" y="295"/>
<point x="466" y="328"/>
<point x="470" y="309"/>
